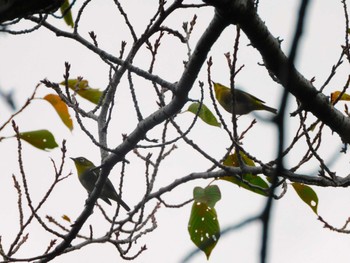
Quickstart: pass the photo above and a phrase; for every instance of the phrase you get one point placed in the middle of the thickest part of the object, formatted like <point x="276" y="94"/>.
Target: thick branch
<point x="184" y="85"/>
<point x="243" y="13"/>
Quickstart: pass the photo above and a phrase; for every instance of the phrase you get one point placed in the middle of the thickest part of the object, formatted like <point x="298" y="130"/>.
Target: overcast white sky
<point x="296" y="234"/>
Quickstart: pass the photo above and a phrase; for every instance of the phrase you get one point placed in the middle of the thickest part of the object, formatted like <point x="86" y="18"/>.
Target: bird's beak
<point x="72" y="158"/>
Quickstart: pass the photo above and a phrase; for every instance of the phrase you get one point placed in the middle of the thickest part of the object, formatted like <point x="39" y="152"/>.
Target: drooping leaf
<point x="336" y="94"/>
<point x="251" y="179"/>
<point x="81" y="87"/>
<point x="67" y="14"/>
<point x="42" y="139"/>
<point x="203" y="227"/>
<point x="307" y="194"/>
<point x="205" y="114"/>
<point x="61" y="109"/>
<point x="209" y="195"/>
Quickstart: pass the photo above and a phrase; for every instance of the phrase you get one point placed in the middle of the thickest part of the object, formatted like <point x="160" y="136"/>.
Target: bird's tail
<point x="118" y="199"/>
<point x="267" y="108"/>
<point x="123" y="204"/>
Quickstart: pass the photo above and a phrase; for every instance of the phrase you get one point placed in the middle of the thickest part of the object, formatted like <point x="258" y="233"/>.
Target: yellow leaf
<point x="307" y="194"/>
<point x="336" y="94"/>
<point x="65" y="217"/>
<point x="81" y="87"/>
<point x="68" y="18"/>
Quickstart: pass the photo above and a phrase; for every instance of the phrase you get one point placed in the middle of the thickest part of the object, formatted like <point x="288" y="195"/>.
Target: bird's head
<point x="220" y="89"/>
<point x="82" y="164"/>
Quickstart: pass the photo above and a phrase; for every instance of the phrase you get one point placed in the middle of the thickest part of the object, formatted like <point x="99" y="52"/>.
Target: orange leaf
<point x="61" y="109"/>
<point x="65" y="217"/>
<point x="335" y="95"/>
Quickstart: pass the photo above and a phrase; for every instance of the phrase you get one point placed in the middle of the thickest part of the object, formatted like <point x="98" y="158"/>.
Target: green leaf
<point x="209" y="195"/>
<point x="249" y="180"/>
<point x="42" y="139"/>
<point x="253" y="180"/>
<point x="205" y="114"/>
<point x="61" y="109"/>
<point x="307" y="194"/>
<point x="203" y="227"/>
<point x="68" y="18"/>
<point x="81" y="87"/>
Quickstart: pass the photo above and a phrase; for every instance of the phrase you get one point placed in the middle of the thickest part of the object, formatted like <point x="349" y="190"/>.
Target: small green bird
<point x="245" y="102"/>
<point x="88" y="177"/>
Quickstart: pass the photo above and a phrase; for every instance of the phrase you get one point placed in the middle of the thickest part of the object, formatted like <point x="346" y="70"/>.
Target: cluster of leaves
<point x="237" y="166"/>
<point x="204" y="225"/>
<point x="44" y="139"/>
